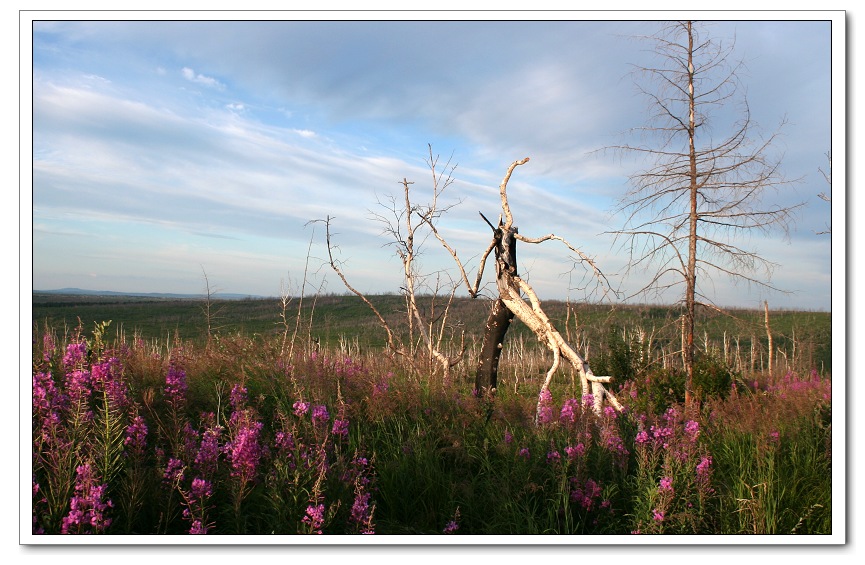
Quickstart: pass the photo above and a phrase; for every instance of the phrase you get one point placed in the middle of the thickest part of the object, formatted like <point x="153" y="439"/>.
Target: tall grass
<point x="237" y="438"/>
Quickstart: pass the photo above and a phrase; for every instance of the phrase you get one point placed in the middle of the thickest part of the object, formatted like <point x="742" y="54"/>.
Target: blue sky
<point x="162" y="150"/>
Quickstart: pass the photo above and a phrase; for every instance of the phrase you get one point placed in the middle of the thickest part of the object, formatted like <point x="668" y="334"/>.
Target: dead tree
<point x="689" y="212"/>
<point x="500" y="317"/>
<point x="510" y="303"/>
<point x="403" y="230"/>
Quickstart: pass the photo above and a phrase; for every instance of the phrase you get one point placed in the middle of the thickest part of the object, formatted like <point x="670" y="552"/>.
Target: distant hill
<point x="86" y="292"/>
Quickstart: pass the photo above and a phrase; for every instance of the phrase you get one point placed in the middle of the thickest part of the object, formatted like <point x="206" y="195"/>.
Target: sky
<point x="171" y="154"/>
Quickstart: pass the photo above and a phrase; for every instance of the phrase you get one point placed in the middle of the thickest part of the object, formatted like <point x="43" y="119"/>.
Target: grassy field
<point x="166" y="432"/>
<point x="802" y="339"/>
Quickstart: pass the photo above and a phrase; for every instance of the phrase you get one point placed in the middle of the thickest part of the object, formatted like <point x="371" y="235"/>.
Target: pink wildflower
<point x="320" y="415"/>
<point x="575" y="451"/>
<point x="340" y="428"/>
<point x="87" y="507"/>
<point x="666" y="484"/>
<point x="314" y="518"/>
<point x="545" y="407"/>
<point x="300" y="408"/>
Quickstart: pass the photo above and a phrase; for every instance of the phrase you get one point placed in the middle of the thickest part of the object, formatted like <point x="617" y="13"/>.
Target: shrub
<point x="712" y="377"/>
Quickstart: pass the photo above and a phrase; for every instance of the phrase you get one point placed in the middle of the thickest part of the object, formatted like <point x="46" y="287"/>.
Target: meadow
<point x="276" y="421"/>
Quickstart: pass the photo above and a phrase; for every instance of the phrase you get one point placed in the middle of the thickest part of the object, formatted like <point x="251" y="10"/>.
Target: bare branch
<point x="391" y="341"/>
<point x="506" y="209"/>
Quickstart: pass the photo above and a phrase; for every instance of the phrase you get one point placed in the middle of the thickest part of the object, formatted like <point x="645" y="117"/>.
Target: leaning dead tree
<point x="518" y="299"/>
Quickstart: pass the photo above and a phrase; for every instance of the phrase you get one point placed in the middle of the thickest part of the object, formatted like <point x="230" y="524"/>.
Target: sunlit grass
<point x="241" y="440"/>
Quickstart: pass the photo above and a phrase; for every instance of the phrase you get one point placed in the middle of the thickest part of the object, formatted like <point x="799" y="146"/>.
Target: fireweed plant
<point x="235" y="438"/>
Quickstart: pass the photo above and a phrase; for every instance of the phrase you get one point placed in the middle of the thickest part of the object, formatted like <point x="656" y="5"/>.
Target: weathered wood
<point x="512" y="288"/>
<point x="499" y="320"/>
<point x="532" y="314"/>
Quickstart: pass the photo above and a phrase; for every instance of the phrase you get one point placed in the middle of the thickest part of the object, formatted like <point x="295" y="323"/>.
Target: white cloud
<point x="336" y="126"/>
<point x="191" y="76"/>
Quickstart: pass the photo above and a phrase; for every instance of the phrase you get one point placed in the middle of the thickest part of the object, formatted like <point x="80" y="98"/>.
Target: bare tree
<point x="827" y="176"/>
<point x="687" y="213"/>
<point x="404" y="230"/>
<point x="209" y="309"/>
<point x="511" y="303"/>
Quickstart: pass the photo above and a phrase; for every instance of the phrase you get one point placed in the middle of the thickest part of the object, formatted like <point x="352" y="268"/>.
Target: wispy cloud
<point x="192" y="76"/>
<point x="132" y="154"/>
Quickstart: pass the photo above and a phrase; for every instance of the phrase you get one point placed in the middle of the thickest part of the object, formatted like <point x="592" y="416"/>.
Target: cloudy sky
<point x="166" y="150"/>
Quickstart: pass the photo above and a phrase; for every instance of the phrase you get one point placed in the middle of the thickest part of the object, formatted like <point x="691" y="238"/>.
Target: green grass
<point x="435" y="452"/>
<point x="332" y="320"/>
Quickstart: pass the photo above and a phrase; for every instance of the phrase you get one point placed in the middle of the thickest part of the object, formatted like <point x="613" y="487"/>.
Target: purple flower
<point x="136" y="436"/>
<point x="610" y="412"/>
<point x="75" y="354"/>
<point x="174" y="471"/>
<point x="87" y="506"/>
<point x="381" y="388"/>
<point x="175" y="385"/>
<point x="340" y="428"/>
<point x="614" y="444"/>
<point x="642" y="437"/>
<point x="106" y="377"/>
<point x="568" y="413"/>
<point x="208" y="452"/>
<point x="575" y="451"/>
<point x="692" y="428"/>
<point x="358" y="471"/>
<point x="44" y="393"/>
<point x="585" y="496"/>
<point x="657" y="515"/>
<point x="190" y="441"/>
<point x="451" y="527"/>
<point x="588" y="400"/>
<point x="671" y="415"/>
<point x="319" y="414"/>
<point x="245" y="451"/>
<point x="666" y="484"/>
<point x="284" y="442"/>
<point x="553" y="457"/>
<point x="196" y="505"/>
<point x="314" y="517"/>
<point x="545" y="408"/>
<point x="660" y="435"/>
<point x="704" y="467"/>
<point x="360" y="508"/>
<point x="238" y="397"/>
<point x="300" y="408"/>
<point x="508" y="437"/>
<point x="524" y="452"/>
<point x="78" y="385"/>
<point x="201" y="489"/>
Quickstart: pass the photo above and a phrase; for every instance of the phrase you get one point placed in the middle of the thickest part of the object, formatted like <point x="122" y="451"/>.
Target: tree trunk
<point x="497" y="326"/>
<point x="691" y="273"/>
<point x="486" y="379"/>
<point x="769" y="336"/>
